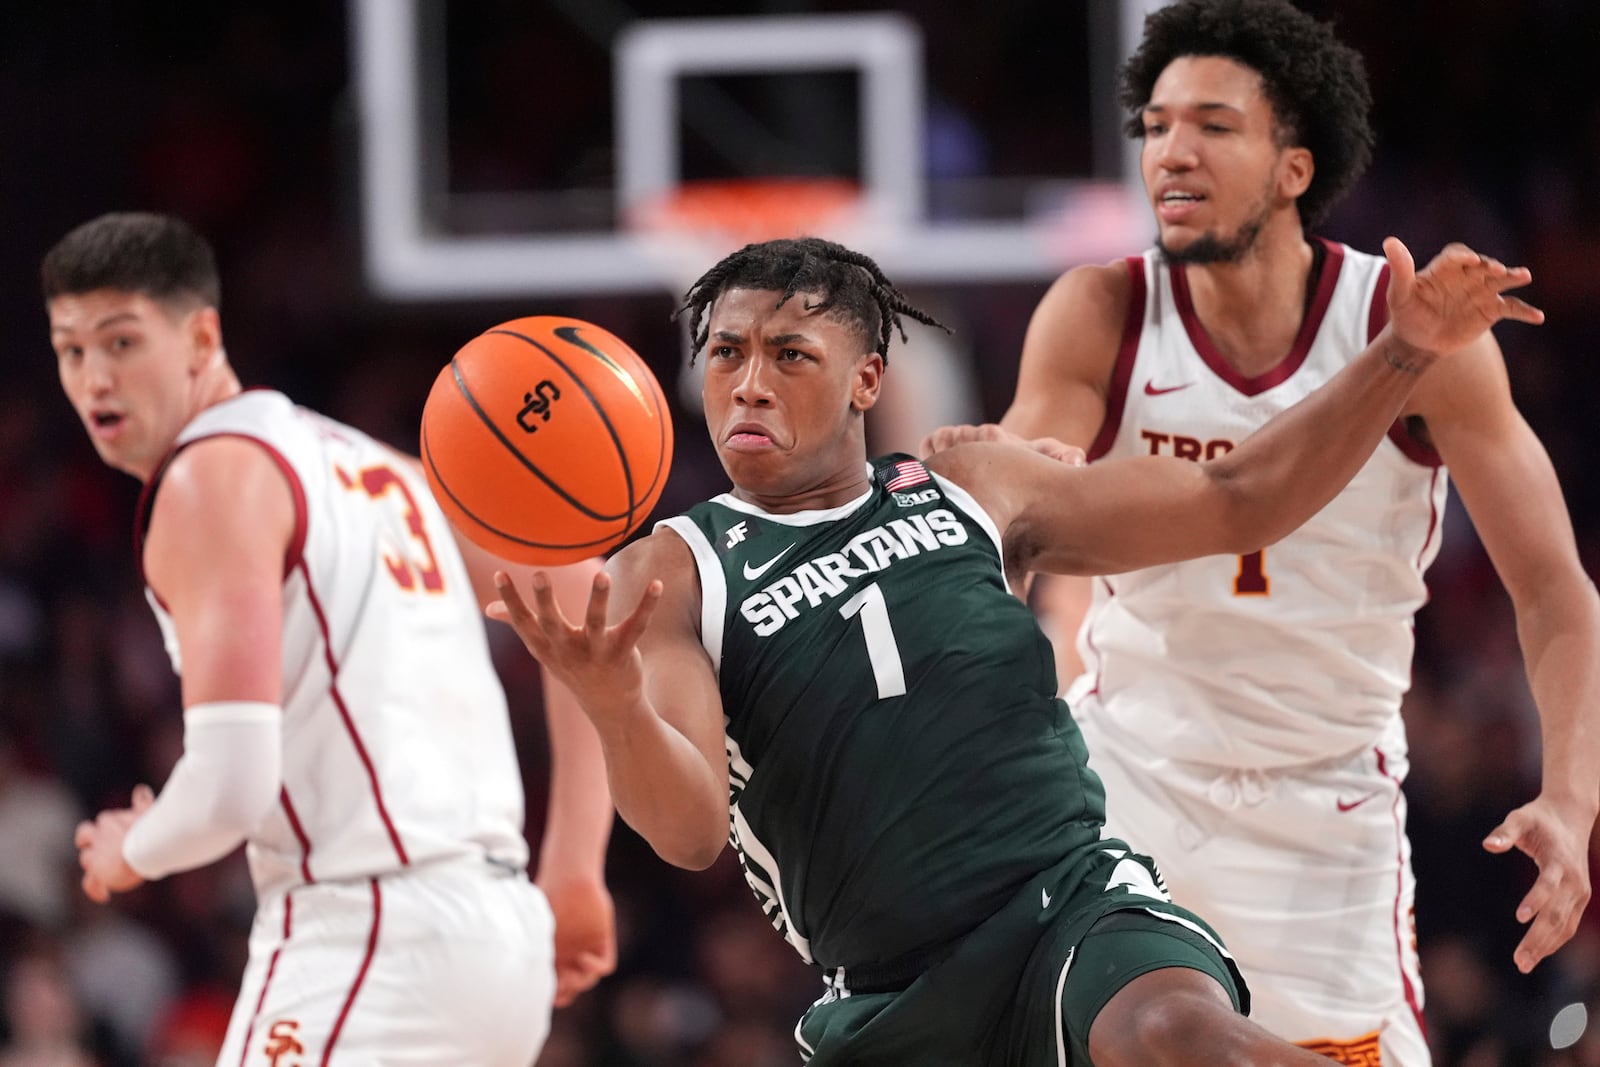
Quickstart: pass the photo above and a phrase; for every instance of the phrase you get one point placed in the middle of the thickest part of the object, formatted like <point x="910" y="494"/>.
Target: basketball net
<point x="688" y="230"/>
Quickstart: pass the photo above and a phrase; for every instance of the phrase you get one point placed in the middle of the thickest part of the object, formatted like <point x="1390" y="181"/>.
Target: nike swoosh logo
<point x="1044" y="895"/>
<point x="752" y="573"/>
<point x="1150" y="388"/>
<point x="570" y="335"/>
<point x="1351" y="805"/>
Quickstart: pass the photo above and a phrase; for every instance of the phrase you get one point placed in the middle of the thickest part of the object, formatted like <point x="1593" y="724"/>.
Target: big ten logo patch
<point x="908" y="500"/>
<point x="283" y="1047"/>
<point x="536" y="405"/>
<point x="1358" y="1052"/>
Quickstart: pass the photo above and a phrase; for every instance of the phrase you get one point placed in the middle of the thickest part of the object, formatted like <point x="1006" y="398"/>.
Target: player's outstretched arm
<point x="1505" y="478"/>
<point x="635" y="663"/>
<point x="220" y="531"/>
<point x="1125" y="514"/>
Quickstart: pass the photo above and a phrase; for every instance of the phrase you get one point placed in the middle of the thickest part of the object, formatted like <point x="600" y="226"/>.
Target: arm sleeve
<point x="227" y="780"/>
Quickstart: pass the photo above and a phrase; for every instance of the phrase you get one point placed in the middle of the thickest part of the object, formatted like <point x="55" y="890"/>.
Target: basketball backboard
<point x="415" y="246"/>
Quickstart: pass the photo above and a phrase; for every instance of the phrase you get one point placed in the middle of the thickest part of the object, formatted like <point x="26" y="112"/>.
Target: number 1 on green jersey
<point x="882" y="650"/>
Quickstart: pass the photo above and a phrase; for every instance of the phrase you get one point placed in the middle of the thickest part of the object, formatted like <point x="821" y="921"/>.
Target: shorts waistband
<point x="476" y="864"/>
<point x="891" y="976"/>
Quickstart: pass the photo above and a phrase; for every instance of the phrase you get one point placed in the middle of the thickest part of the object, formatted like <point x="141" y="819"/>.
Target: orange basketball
<point x="546" y="440"/>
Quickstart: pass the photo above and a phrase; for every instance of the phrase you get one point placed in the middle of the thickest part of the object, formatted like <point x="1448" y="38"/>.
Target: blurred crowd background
<point x="240" y="117"/>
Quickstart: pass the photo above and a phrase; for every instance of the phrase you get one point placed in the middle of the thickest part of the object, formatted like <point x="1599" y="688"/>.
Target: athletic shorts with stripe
<point x="1023" y="989"/>
<point x="447" y="965"/>
<point x="1306" y="872"/>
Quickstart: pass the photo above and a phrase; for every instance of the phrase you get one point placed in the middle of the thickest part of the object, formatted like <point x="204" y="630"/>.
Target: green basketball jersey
<point x="899" y="762"/>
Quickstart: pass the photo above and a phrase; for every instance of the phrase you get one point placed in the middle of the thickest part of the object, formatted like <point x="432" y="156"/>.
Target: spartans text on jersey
<point x="824" y="578"/>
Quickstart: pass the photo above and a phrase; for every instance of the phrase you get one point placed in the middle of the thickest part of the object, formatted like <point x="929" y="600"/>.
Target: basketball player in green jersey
<point x="828" y="661"/>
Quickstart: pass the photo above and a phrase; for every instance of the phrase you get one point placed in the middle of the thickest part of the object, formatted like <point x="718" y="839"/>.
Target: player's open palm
<point x="1454" y="299"/>
<point x="1558" y="841"/>
<point x="598" y="662"/>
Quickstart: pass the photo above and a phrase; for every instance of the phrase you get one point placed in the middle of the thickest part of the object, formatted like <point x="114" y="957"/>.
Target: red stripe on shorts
<point x="1399" y="893"/>
<point x="361" y="973"/>
<point x="266" y="983"/>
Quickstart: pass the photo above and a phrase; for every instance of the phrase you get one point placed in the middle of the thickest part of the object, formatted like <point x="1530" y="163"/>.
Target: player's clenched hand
<point x="599" y="663"/>
<point x="586" y="935"/>
<point x="946" y="437"/>
<point x="99" y="846"/>
<point x="1458" y="296"/>
<point x="1558" y="842"/>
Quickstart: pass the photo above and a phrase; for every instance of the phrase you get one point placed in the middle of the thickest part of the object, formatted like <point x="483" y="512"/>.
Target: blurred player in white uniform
<point x="1244" y="711"/>
<point x="342" y="716"/>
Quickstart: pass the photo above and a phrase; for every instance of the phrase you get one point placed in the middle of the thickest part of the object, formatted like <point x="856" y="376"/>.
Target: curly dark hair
<point x="1317" y="85"/>
<point x="851" y="286"/>
<point x="136" y="252"/>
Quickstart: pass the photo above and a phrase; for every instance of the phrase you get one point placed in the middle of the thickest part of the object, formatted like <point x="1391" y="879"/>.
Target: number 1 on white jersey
<point x="1252" y="578"/>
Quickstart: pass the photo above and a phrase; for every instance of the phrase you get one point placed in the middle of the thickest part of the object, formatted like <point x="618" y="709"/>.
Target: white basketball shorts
<point x="1306" y="874"/>
<point x="449" y="964"/>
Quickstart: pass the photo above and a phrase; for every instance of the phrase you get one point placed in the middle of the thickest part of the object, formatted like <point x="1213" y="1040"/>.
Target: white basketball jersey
<point x="1296" y="653"/>
<point x="397" y="746"/>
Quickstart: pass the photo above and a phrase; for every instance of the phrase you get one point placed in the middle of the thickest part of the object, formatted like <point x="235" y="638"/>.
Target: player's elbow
<point x="232" y="766"/>
<point x="683" y="815"/>
<point x="1243" y="538"/>
<point x="691" y="855"/>
<point x="243" y="808"/>
<point x="692" y="842"/>
<point x="699" y="859"/>
<point x="1239" y="519"/>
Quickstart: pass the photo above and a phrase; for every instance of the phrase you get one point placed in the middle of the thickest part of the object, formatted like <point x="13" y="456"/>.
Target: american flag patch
<point x="907" y="473"/>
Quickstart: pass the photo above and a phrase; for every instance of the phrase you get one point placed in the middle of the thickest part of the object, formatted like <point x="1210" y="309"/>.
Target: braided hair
<point x="850" y="284"/>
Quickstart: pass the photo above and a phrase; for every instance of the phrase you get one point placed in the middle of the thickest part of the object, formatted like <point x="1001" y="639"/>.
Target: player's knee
<point x="1164" y="1027"/>
<point x="1165" y="1017"/>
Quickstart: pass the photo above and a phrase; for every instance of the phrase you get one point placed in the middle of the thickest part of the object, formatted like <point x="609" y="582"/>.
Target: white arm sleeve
<point x="219" y="791"/>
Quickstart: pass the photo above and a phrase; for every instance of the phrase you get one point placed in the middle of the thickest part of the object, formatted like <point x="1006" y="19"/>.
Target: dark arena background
<point x="384" y="179"/>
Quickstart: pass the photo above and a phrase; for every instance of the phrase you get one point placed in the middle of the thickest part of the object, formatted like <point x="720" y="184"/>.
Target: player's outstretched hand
<point x="1558" y="842"/>
<point x="99" y="845"/>
<point x="599" y="663"/>
<point x="1454" y="299"/>
<point x="946" y="437"/>
<point x="586" y="935"/>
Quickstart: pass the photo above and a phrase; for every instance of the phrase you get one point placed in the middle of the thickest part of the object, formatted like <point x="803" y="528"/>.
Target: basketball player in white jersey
<point x="341" y="714"/>
<point x="1244" y="711"/>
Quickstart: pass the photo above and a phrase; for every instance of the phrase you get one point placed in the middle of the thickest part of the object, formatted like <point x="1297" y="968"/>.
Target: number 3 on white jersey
<point x="408" y="573"/>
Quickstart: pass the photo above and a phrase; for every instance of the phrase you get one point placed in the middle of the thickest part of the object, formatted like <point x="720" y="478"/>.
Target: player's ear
<point x="205" y="337"/>
<point x="868" y="380"/>
<point x="1295" y="172"/>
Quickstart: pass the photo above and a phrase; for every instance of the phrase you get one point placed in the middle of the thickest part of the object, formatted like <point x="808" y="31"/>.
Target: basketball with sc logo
<point x="546" y="440"/>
